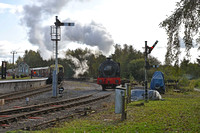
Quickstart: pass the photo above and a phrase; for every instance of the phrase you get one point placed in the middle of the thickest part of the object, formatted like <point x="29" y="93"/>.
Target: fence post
<point x="128" y="92"/>
<point x="124" y="113"/>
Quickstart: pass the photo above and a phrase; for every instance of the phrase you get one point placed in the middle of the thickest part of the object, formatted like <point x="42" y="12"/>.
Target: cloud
<point x="5" y="6"/>
<point x="7" y="47"/>
<point x="10" y="8"/>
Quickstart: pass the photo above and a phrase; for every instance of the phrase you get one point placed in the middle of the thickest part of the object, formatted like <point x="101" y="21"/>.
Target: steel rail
<point x="51" y="109"/>
<point x="54" y="121"/>
<point x="23" y="91"/>
<point x="35" y="107"/>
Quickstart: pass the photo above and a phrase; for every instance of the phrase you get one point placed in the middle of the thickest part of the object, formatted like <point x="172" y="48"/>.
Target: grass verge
<point x="179" y="112"/>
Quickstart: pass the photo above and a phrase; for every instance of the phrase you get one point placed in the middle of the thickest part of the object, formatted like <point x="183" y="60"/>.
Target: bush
<point x="184" y="82"/>
<point x="197" y="83"/>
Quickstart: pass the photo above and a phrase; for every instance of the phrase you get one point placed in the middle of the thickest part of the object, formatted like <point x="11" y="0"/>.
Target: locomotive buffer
<point x="56" y="36"/>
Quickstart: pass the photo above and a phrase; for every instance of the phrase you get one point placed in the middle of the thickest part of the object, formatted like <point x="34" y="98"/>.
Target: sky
<point x="99" y="24"/>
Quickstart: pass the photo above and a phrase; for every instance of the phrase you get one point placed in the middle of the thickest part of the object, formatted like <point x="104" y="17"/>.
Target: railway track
<point x="15" y="115"/>
<point x="51" y="123"/>
<point x="36" y="107"/>
<point x="25" y="93"/>
<point x="11" y="94"/>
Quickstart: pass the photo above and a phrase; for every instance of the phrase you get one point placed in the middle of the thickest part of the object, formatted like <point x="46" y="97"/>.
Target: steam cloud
<point x="80" y="66"/>
<point x="33" y="18"/>
<point x="92" y="34"/>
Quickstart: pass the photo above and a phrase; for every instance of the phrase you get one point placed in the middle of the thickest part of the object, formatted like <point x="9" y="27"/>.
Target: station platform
<point x="7" y="86"/>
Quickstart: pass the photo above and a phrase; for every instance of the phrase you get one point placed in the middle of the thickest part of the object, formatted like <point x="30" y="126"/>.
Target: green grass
<point x="178" y="112"/>
<point x="10" y="78"/>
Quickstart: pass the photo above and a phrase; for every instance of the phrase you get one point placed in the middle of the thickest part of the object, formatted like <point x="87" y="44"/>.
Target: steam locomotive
<point x="109" y="74"/>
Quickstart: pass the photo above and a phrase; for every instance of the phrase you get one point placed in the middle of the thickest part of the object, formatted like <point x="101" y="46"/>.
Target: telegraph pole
<point x="13" y="53"/>
<point x="55" y="36"/>
<point x="147" y="51"/>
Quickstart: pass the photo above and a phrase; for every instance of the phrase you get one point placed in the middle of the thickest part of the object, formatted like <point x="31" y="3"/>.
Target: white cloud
<point x="6" y="47"/>
<point x="10" y="8"/>
<point x="5" y="6"/>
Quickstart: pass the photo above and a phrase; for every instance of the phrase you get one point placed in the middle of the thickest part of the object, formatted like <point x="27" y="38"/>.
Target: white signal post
<point x="55" y="36"/>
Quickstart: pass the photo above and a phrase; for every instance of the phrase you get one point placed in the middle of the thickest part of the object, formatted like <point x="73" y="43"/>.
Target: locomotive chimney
<point x="108" y="58"/>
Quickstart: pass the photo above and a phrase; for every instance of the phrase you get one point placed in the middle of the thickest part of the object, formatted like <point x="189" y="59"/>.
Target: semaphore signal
<point x="56" y="36"/>
<point x="147" y="51"/>
<point x="151" y="48"/>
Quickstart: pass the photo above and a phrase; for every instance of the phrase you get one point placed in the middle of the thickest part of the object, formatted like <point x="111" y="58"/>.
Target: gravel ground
<point x="71" y="89"/>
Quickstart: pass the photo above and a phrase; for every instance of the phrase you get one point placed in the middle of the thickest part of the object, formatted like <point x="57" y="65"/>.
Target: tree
<point x="184" y="65"/>
<point x="94" y="61"/>
<point x="136" y="69"/>
<point x="191" y="70"/>
<point x="20" y="59"/>
<point x="124" y="56"/>
<point x="33" y="59"/>
<point x="185" y="17"/>
<point x="198" y="60"/>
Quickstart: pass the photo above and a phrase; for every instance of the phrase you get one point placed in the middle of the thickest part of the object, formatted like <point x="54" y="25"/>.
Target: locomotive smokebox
<point x="109" y="58"/>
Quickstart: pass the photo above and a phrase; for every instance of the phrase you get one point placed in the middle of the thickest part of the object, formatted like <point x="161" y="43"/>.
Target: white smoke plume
<point x="80" y="67"/>
<point x="33" y="16"/>
<point x="92" y="34"/>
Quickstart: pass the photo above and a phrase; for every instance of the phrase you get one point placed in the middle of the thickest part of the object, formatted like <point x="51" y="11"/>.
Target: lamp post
<point x="56" y="36"/>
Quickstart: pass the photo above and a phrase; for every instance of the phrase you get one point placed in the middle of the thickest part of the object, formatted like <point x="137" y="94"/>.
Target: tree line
<point x="84" y="63"/>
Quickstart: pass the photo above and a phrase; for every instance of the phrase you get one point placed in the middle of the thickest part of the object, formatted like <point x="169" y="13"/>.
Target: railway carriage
<point x="47" y="72"/>
<point x="40" y="72"/>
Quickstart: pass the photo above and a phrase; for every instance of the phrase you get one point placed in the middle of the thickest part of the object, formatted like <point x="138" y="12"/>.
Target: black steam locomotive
<point x="109" y="74"/>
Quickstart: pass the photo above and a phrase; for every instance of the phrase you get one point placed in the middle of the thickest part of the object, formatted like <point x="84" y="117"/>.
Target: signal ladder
<point x="54" y="50"/>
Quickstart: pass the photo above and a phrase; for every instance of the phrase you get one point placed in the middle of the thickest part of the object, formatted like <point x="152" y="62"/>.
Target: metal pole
<point x="13" y="63"/>
<point x="56" y="61"/>
<point x="13" y="52"/>
<point x="56" y="64"/>
<point x="145" y="72"/>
